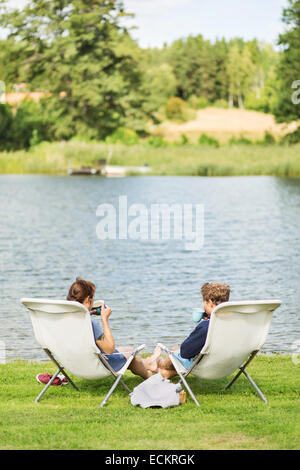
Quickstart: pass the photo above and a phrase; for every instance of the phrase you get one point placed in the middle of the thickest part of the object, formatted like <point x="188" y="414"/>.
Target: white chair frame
<point x="205" y="364"/>
<point x="48" y="318"/>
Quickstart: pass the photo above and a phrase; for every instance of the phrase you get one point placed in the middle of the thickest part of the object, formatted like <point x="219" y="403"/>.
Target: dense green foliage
<point x="96" y="79"/>
<point x="77" y="52"/>
<point x="289" y="67"/>
<point x="26" y="126"/>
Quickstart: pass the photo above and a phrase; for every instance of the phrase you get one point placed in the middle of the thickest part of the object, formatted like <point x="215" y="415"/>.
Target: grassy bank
<point x="189" y="159"/>
<point x="235" y="419"/>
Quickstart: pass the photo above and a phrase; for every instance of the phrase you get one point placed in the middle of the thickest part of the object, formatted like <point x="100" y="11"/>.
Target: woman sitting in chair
<point x="83" y="291"/>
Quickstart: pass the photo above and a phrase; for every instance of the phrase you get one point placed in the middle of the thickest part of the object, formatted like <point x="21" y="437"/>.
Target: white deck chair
<point x="236" y="333"/>
<point x="64" y="330"/>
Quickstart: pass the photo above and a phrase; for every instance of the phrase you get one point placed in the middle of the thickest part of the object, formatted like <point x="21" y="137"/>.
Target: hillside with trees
<point x="96" y="79"/>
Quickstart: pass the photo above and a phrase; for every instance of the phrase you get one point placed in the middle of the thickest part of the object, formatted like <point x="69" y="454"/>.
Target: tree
<point x="6" y="119"/>
<point x="241" y="71"/>
<point x="286" y="109"/>
<point x="78" y="52"/>
<point x="234" y="73"/>
<point x="194" y="66"/>
<point x="262" y="94"/>
<point x="159" y="84"/>
<point x="220" y="50"/>
<point x="247" y="74"/>
<point x="176" y="109"/>
<point x="8" y="71"/>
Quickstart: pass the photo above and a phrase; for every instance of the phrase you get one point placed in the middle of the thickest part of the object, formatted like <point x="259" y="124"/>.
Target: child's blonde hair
<point x="217" y="292"/>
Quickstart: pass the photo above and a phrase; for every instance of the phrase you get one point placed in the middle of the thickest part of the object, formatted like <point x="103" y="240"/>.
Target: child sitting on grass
<point x="213" y="294"/>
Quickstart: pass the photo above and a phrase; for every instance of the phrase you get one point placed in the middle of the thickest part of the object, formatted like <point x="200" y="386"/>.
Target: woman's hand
<point x="106" y="342"/>
<point x="105" y="311"/>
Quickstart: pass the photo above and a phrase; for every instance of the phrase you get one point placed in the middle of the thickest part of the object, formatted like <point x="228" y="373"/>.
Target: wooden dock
<point x="114" y="171"/>
<point x="110" y="171"/>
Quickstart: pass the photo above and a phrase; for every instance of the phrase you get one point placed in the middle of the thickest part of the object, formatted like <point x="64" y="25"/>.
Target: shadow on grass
<point x="98" y="389"/>
<point x="200" y="387"/>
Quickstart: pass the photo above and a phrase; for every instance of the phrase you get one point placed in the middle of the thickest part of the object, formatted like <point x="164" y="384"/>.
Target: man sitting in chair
<point x="213" y="294"/>
<point x="83" y="291"/>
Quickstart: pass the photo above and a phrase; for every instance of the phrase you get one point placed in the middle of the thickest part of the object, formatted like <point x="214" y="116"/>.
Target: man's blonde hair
<point x="217" y="292"/>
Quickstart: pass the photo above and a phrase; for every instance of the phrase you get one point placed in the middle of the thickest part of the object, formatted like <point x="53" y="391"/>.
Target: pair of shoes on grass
<point x="45" y="378"/>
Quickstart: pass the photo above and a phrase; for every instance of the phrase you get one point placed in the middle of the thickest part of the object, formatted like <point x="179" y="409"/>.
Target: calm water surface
<point x="48" y="237"/>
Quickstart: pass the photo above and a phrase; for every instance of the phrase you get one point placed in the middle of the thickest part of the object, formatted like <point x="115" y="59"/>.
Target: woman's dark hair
<point x="80" y="290"/>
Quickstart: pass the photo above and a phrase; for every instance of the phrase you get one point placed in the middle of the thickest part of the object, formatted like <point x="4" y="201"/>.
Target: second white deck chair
<point x="236" y="333"/>
<point x="64" y="330"/>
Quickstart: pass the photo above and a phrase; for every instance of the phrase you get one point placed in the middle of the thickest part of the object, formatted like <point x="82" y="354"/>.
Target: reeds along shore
<point x="186" y="159"/>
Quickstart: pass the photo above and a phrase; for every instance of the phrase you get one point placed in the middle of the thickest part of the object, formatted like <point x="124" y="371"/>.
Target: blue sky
<point x="160" y="21"/>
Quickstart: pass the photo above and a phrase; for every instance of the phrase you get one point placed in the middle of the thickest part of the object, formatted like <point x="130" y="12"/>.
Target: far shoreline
<point x="170" y="160"/>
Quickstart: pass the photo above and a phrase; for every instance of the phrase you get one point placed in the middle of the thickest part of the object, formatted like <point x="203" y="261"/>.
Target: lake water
<point x="48" y="237"/>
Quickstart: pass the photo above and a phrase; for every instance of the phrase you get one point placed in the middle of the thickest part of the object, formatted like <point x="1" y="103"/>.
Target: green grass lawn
<point x="235" y="419"/>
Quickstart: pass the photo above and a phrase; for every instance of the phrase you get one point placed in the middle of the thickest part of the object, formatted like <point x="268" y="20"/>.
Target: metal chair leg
<point x="111" y="390"/>
<point x="242" y="368"/>
<point x="61" y="368"/>
<point x="119" y="378"/>
<point x="243" y="371"/>
<point x="125" y="386"/>
<point x="182" y="379"/>
<point x="234" y="379"/>
<point x="47" y="386"/>
<point x="69" y="380"/>
<point x="256" y="387"/>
